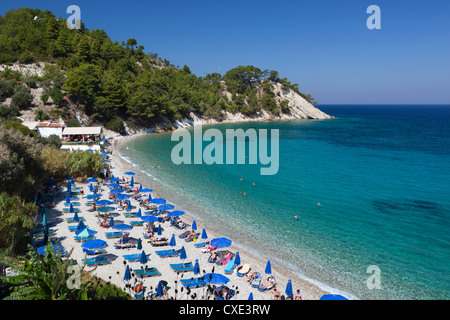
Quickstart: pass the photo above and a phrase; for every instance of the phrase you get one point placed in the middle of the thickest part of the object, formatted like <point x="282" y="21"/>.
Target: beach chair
<point x="170" y="254"/>
<point x="82" y="239"/>
<point x="200" y="244"/>
<point x="135" y="223"/>
<point x="96" y="261"/>
<point x="229" y="266"/>
<point x="220" y="292"/>
<point x="269" y="284"/>
<point x="147" y="272"/>
<point x="70" y="220"/>
<point x="191" y="237"/>
<point x="255" y="282"/>
<point x="76" y="203"/>
<point x="93" y="252"/>
<point x="182" y="267"/>
<point x="158" y="243"/>
<point x="133" y="257"/>
<point x="193" y="282"/>
<point x="130" y="214"/>
<point x="184" y="234"/>
<point x="120" y="245"/>
<point x="114" y="234"/>
<point x="243" y="270"/>
<point x="224" y="258"/>
<point x="67" y="210"/>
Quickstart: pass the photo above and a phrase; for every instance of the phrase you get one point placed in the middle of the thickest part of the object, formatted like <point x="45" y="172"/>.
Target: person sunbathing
<point x="275" y="295"/>
<point x="269" y="283"/>
<point x="298" y="295"/>
<point x="251" y="276"/>
<point x="138" y="287"/>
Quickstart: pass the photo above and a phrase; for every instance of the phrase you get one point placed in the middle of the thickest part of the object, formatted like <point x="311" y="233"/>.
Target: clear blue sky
<point x="323" y="45"/>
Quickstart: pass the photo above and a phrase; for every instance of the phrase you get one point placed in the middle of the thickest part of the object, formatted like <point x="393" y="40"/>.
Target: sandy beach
<point x="114" y="271"/>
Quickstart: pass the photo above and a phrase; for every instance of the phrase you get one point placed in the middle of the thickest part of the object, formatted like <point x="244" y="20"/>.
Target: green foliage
<point x="22" y="97"/>
<point x="10" y="74"/>
<point x="6" y="89"/>
<point x="57" y="96"/>
<point x="16" y="219"/>
<point x="7" y="111"/>
<point x="44" y="98"/>
<point x="40" y="115"/>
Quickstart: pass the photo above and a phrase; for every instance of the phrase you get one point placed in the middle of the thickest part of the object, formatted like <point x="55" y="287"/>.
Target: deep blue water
<point x="380" y="173"/>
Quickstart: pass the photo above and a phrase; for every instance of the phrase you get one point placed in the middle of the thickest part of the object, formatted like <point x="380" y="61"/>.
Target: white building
<point x="82" y="138"/>
<point x="47" y="128"/>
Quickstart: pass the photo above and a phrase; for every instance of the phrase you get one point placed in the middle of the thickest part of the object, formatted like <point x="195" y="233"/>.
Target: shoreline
<point x="310" y="288"/>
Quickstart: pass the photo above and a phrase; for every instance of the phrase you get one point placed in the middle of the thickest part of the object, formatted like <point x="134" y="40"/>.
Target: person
<point x="298" y="295"/>
<point x="82" y="192"/>
<point x="251" y="276"/>
<point x="138" y="287"/>
<point x="92" y="207"/>
<point x="276" y="295"/>
<point x="318" y="203"/>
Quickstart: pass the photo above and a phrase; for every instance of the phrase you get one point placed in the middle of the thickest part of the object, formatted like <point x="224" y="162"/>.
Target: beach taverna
<point x="82" y="138"/>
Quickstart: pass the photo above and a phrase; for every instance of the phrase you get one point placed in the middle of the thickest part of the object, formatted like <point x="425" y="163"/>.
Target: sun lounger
<point x="76" y="203"/>
<point x="94" y="252"/>
<point x="229" y="267"/>
<point x="256" y="280"/>
<point x="67" y="210"/>
<point x="148" y="272"/>
<point x="130" y="214"/>
<point x="78" y="238"/>
<point x="243" y="270"/>
<point x="168" y="253"/>
<point x="212" y="257"/>
<point x="133" y="257"/>
<point x="70" y="220"/>
<point x="114" y="234"/>
<point x="190" y="237"/>
<point x="158" y="243"/>
<point x="182" y="267"/>
<point x="200" y="244"/>
<point x="269" y="284"/>
<point x="223" y="258"/>
<point x="184" y="234"/>
<point x="137" y="222"/>
<point x="96" y="260"/>
<point x="193" y="282"/>
<point x="123" y="245"/>
<point x="223" y="293"/>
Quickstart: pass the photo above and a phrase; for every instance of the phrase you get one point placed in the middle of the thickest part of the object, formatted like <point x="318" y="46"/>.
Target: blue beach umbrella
<point x="268" y="269"/>
<point x="94" y="244"/>
<point x="103" y="202"/>
<point x="91" y="179"/>
<point x="194" y="225"/>
<point x="288" y="290"/>
<point x="122" y="196"/>
<point x="86" y="232"/>
<point x="56" y="248"/>
<point x="129" y="173"/>
<point x="127" y="275"/>
<point x="220" y="242"/>
<point x="114" y="179"/>
<point x="113" y="185"/>
<point x="67" y="200"/>
<point x="183" y="253"/>
<point x="80" y="226"/>
<point x="139" y="244"/>
<point x="128" y="206"/>
<point x="159" y="230"/>
<point x="250" y="296"/>
<point x="145" y="190"/>
<point x="143" y="257"/>
<point x="216" y="279"/>
<point x="66" y="176"/>
<point x="75" y="217"/>
<point x="69" y="193"/>
<point x="111" y="222"/>
<point x="158" y="201"/>
<point x="94" y="196"/>
<point x="149" y="198"/>
<point x="159" y="289"/>
<point x="71" y="210"/>
<point x="91" y="187"/>
<point x="172" y="242"/>
<point x="116" y="191"/>
<point x="237" y="259"/>
<point x="139" y="214"/>
<point x="131" y="183"/>
<point x="123" y="227"/>
<point x="166" y="207"/>
<point x="204" y="235"/>
<point x="196" y="267"/>
<point x="105" y="209"/>
<point x="72" y="181"/>
<point x="175" y="213"/>
<point x="149" y="218"/>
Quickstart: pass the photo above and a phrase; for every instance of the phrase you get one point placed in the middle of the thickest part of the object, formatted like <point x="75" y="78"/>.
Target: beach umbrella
<point x="71" y="210"/>
<point x="43" y="250"/>
<point x="159" y="230"/>
<point x="145" y="190"/>
<point x="91" y="187"/>
<point x="123" y="227"/>
<point x="67" y="200"/>
<point x="220" y="242"/>
<point x="149" y="218"/>
<point x="139" y="244"/>
<point x="288" y="290"/>
<point x="216" y="279"/>
<point x="172" y="242"/>
<point x="66" y="176"/>
<point x="194" y="225"/>
<point x="86" y="232"/>
<point x="122" y="196"/>
<point x="149" y="197"/>
<point x="204" y="235"/>
<point x="103" y="202"/>
<point x="196" y="267"/>
<point x="113" y="185"/>
<point x="158" y="201"/>
<point x="80" y="226"/>
<point x="69" y="193"/>
<point x="139" y="214"/>
<point x="91" y="179"/>
<point x="129" y="173"/>
<point x="75" y="217"/>
<point x="143" y="257"/>
<point x="237" y="259"/>
<point x="131" y="183"/>
<point x="268" y="269"/>
<point x="111" y="222"/>
<point x="114" y="180"/>
<point x="52" y="180"/>
<point x="159" y="290"/>
<point x="175" y="213"/>
<point x="250" y="296"/>
<point x="127" y="275"/>
<point x="183" y="253"/>
<point x="94" y="196"/>
<point x="333" y="297"/>
<point x="72" y="181"/>
<point x="128" y="206"/>
<point x="94" y="244"/>
<point x="166" y="207"/>
<point x="116" y="191"/>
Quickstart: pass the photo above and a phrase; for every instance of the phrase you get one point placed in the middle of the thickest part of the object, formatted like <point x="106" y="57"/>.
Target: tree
<point x="22" y="97"/>
<point x="83" y="83"/>
<point x="57" y="96"/>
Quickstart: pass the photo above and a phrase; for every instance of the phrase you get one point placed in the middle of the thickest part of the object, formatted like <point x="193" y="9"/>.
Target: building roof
<point x="82" y="130"/>
<point x="30" y="124"/>
<point x="50" y="125"/>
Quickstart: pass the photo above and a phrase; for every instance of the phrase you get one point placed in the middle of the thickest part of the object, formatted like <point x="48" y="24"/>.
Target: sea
<point x="360" y="204"/>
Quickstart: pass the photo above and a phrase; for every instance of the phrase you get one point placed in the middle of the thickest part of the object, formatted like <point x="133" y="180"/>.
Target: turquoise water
<point x="380" y="173"/>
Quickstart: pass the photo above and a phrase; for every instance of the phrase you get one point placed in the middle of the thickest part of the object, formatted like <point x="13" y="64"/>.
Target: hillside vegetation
<point x="114" y="82"/>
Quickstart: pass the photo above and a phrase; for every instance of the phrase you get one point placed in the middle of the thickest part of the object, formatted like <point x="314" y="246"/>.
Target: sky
<point x="323" y="45"/>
